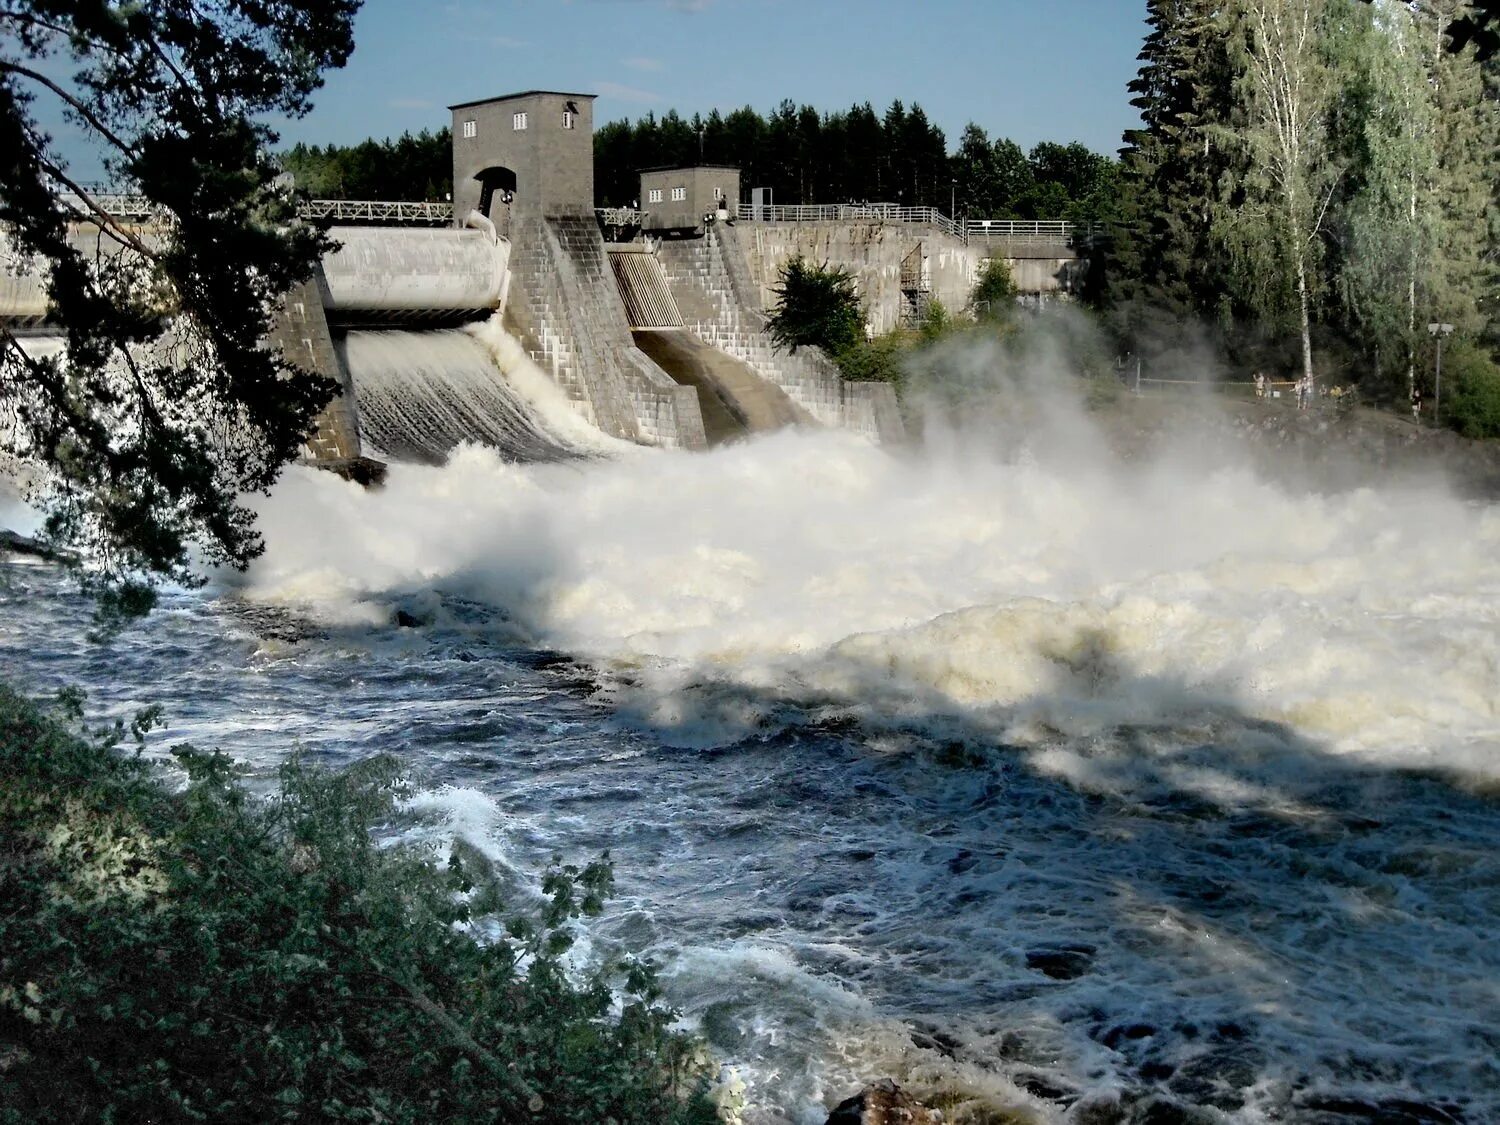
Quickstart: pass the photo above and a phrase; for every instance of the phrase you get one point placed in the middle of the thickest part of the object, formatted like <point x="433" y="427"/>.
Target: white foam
<point x="1056" y="591"/>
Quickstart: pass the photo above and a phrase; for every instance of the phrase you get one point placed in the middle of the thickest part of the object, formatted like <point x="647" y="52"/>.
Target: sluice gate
<point x="643" y="289"/>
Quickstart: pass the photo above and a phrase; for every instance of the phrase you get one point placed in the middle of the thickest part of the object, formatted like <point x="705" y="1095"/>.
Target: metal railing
<point x="1020" y="230"/>
<point x="377" y="211"/>
<point x="137" y="208"/>
<point x="1009" y="230"/>
<point x="849" y="212"/>
<point x="620" y="216"/>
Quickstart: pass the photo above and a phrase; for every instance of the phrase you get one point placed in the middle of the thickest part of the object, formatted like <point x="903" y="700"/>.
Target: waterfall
<point x="422" y="393"/>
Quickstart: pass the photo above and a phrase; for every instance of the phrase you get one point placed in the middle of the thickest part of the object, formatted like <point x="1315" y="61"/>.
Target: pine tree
<point x="1163" y="262"/>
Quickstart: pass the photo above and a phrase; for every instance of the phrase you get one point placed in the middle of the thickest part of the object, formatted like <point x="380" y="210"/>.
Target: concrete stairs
<point x="711" y="284"/>
<point x="565" y="308"/>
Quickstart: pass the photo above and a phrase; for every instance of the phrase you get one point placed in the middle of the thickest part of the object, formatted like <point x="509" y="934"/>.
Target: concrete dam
<point x="507" y="319"/>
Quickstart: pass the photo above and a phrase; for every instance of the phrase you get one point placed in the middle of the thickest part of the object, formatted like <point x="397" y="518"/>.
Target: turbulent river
<point x="1028" y="777"/>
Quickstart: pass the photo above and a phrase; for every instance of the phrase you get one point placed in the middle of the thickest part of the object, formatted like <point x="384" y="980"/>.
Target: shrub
<point x="214" y="956"/>
<point x="881" y="360"/>
<point x="994" y="296"/>
<point x="816" y="305"/>
<point x="1473" y="406"/>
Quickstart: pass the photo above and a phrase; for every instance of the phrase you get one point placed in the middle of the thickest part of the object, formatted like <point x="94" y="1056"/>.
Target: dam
<point x="648" y="324"/>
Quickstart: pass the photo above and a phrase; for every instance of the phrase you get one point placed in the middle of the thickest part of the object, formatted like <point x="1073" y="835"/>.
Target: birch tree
<point x="1390" y="220"/>
<point x="1275" y="222"/>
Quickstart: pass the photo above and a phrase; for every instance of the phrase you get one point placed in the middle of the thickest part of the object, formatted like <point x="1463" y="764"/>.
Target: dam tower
<point x="535" y="150"/>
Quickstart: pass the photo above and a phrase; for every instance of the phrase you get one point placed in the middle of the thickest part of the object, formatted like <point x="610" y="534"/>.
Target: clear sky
<point x="1028" y="69"/>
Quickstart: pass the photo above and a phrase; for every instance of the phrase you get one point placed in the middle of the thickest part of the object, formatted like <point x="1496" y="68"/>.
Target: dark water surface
<point x="833" y="905"/>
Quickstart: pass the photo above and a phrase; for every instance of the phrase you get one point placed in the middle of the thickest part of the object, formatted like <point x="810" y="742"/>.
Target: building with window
<point x="534" y="149"/>
<point x="676" y="200"/>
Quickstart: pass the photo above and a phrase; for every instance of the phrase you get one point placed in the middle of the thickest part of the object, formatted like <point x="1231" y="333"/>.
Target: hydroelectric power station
<point x="648" y="322"/>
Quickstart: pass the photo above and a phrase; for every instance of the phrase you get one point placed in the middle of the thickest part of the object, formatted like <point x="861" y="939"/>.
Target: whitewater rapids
<point x="1046" y="782"/>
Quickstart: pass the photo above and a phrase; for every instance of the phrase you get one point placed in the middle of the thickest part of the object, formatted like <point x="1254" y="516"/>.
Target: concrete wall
<point x="565" y="308"/>
<point x="717" y="295"/>
<point x="873" y="253"/>
<point x="414" y="269"/>
<point x="554" y="165"/>
<point x="704" y="186"/>
<point x="23" y="281"/>
<point x="300" y="332"/>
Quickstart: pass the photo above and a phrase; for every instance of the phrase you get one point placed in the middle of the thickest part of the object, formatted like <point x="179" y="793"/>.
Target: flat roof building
<point x="536" y="147"/>
<point x="675" y="200"/>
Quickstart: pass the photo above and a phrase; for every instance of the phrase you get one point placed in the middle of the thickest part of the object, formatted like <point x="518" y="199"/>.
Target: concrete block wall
<point x="300" y="332"/>
<point x="565" y="308"/>
<point x="873" y="253"/>
<point x="719" y="301"/>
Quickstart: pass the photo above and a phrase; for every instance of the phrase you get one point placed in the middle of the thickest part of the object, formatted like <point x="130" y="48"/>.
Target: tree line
<point x="1315" y="183"/>
<point x="408" y="167"/>
<point x="856" y="155"/>
<point x="803" y="155"/>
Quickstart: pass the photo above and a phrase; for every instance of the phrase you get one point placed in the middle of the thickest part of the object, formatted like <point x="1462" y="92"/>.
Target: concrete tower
<point x="540" y="141"/>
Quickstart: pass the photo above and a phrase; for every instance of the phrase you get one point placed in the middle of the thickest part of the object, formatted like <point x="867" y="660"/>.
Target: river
<point x="1033" y="778"/>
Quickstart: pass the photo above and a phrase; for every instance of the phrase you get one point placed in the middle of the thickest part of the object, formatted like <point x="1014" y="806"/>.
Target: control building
<point x="677" y="201"/>
<point x="533" y="151"/>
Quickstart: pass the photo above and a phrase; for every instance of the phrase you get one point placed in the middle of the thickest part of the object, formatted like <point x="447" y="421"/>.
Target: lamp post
<point x="1438" y="331"/>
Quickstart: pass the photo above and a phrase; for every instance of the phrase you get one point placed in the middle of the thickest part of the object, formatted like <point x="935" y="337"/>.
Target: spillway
<point x="421" y="394"/>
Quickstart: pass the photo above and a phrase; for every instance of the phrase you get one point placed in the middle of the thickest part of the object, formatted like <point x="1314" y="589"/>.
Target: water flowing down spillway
<point x="420" y="394"/>
<point x="1041" y="781"/>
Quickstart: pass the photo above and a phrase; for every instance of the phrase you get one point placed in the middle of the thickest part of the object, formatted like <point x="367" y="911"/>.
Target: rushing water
<point x="1038" y="781"/>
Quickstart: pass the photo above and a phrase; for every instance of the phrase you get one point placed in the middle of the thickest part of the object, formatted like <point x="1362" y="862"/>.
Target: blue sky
<point x="1038" y="70"/>
<point x="1032" y="71"/>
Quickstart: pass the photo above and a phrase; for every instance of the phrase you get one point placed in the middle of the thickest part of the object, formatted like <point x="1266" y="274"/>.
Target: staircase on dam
<point x="733" y="400"/>
<point x="711" y="283"/>
<point x="566" y="309"/>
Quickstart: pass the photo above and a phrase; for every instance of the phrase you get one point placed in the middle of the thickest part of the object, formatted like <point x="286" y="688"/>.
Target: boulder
<point x="883" y="1103"/>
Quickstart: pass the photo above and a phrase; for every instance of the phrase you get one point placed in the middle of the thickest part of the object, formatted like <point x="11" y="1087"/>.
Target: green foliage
<point x="816" y="305"/>
<point x="881" y="360"/>
<point x="407" y="168"/>
<point x="166" y="407"/>
<point x="994" y="296"/>
<point x="1472" y="407"/>
<point x="857" y="155"/>
<point x="935" y="322"/>
<point x="211" y="955"/>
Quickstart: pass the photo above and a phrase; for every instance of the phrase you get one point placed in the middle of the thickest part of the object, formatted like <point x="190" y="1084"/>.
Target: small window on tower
<point x="654" y="195"/>
<point x="567" y="119"/>
<point x="679" y="194"/>
<point x="471" y="128"/>
<point x="518" y="121"/>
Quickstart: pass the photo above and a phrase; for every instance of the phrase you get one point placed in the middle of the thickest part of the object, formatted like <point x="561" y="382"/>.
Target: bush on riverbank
<point x="210" y="955"/>
<point x="1474" y="406"/>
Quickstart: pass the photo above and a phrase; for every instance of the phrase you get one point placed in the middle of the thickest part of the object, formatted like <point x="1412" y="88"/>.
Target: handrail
<point x="125" y="205"/>
<point x="128" y="205"/>
<point x="1035" y="230"/>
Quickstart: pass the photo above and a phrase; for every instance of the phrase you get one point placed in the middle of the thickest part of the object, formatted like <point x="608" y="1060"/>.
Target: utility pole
<point x="1439" y="332"/>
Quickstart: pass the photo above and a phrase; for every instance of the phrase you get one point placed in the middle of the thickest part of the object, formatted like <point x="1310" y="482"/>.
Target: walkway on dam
<point x="735" y="401"/>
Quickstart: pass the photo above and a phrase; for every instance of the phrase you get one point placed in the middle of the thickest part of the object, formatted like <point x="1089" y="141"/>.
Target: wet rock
<point x="1062" y="962"/>
<point x="1040" y="1086"/>
<point x="1125" y="1033"/>
<point x="930" y="1038"/>
<point x="15" y="544"/>
<point x="407" y="620"/>
<point x="883" y="1103"/>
